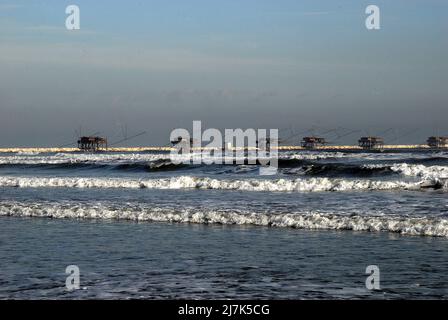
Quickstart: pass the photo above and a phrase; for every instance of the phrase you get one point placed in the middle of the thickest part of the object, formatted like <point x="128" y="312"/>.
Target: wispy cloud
<point x="299" y="13"/>
<point x="44" y="28"/>
<point x="10" y="6"/>
<point x="314" y="13"/>
<point x="57" y="29"/>
<point x="126" y="57"/>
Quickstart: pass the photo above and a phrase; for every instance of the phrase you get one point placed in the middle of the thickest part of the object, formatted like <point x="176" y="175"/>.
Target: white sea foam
<point x="312" y="155"/>
<point x="191" y="182"/>
<point x="113" y="159"/>
<point x="118" y="158"/>
<point x="415" y="170"/>
<point x="62" y="158"/>
<point x="419" y="225"/>
<point x="418" y="170"/>
<point x="318" y="155"/>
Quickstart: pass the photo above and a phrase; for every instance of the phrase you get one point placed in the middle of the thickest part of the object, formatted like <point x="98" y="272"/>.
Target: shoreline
<point x="155" y="148"/>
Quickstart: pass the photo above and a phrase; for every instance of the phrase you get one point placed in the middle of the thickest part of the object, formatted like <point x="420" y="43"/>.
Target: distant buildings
<point x="437" y="142"/>
<point x="369" y="143"/>
<point x="92" y="144"/>
<point x="312" y="142"/>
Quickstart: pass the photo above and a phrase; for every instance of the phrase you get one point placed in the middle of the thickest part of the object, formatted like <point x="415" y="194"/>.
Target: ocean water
<point x="139" y="226"/>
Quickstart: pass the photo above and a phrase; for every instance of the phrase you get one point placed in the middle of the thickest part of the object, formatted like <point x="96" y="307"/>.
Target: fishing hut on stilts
<point x="312" y="142"/>
<point x="371" y="143"/>
<point x="437" y="142"/>
<point x="92" y="144"/>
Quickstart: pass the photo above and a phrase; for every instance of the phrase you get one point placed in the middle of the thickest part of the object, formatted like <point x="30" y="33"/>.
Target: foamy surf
<point x="414" y="170"/>
<point x="417" y="226"/>
<point x="193" y="182"/>
<point x="418" y="170"/>
<point x="119" y="159"/>
<point x="70" y="158"/>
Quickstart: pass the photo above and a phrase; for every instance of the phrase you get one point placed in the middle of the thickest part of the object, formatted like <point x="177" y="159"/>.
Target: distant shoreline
<point x="142" y="149"/>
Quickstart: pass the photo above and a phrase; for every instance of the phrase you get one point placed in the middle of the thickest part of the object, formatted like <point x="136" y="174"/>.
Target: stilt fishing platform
<point x="92" y="144"/>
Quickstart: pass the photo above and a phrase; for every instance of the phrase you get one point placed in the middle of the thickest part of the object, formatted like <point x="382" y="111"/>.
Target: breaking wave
<point x="337" y="169"/>
<point x="83" y="158"/>
<point x="427" y="172"/>
<point x="302" y="163"/>
<point x="125" y="162"/>
<point x="418" y="226"/>
<point x="414" y="170"/>
<point x="113" y="162"/>
<point x="192" y="182"/>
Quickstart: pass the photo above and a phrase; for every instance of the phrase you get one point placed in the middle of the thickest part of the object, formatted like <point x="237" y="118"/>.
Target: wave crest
<point x="191" y="182"/>
<point x="421" y="226"/>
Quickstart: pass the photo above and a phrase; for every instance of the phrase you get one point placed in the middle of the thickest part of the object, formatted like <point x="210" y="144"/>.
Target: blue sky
<point x="157" y="65"/>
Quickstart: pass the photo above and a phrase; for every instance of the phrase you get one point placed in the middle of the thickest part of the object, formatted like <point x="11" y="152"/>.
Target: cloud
<point x="299" y="13"/>
<point x="130" y="57"/>
<point x="314" y="13"/>
<point x="10" y="6"/>
<point x="45" y="28"/>
<point x="58" y="29"/>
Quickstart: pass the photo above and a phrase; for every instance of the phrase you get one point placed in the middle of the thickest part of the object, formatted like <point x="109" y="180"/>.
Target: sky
<point x="158" y="65"/>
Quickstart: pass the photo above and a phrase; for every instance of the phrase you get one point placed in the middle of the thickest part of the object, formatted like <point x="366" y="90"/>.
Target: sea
<point x="139" y="226"/>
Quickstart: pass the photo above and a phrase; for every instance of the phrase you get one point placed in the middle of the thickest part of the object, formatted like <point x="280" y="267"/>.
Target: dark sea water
<point x="139" y="226"/>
